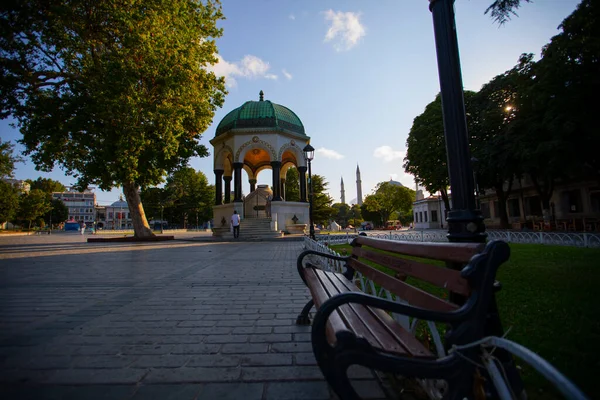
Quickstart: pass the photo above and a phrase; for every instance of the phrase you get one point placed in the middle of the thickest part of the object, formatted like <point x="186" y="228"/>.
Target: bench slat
<point x="441" y="277"/>
<point x="414" y="296"/>
<point x="319" y="295"/>
<point x="374" y="317"/>
<point x="452" y="252"/>
<point x="352" y="319"/>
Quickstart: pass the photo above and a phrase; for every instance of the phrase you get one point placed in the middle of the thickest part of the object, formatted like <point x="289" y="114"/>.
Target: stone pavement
<point x="173" y="320"/>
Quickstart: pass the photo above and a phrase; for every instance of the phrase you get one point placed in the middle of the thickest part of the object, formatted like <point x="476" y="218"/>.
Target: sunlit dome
<point x="261" y="114"/>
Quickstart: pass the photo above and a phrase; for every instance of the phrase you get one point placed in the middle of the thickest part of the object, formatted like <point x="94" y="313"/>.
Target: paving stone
<point x="216" y="360"/>
<point x="226" y="339"/>
<point x="305" y="359"/>
<point x="266" y="359"/>
<point x="232" y="391"/>
<point x="271" y="338"/>
<point x="167" y="392"/>
<point x="95" y="376"/>
<point x="162" y="361"/>
<point x="192" y="375"/>
<point x="281" y="373"/>
<point x="295" y="347"/>
<point x="314" y="390"/>
<point x="102" y="361"/>
<point x="244" y="348"/>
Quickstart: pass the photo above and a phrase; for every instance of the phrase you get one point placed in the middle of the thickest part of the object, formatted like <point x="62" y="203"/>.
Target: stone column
<point x="252" y="185"/>
<point x="302" y="173"/>
<point x="282" y="189"/>
<point x="227" y="180"/>
<point x="276" y="166"/>
<point x="218" y="187"/>
<point x="237" y="183"/>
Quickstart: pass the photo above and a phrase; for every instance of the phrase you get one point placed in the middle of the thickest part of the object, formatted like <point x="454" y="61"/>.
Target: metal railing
<point x="574" y="239"/>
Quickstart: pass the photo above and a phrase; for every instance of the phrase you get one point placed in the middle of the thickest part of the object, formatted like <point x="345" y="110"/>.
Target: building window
<point x="485" y="210"/>
<point x="425" y="214"/>
<point x="595" y="201"/>
<point x="434" y="216"/>
<point x="420" y="216"/>
<point x="110" y="215"/>
<point x="573" y="201"/>
<point x="416" y="217"/>
<point x="496" y="209"/>
<point x="513" y="208"/>
<point x="533" y="206"/>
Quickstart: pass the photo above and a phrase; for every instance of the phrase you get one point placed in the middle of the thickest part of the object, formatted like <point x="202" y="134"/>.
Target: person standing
<point x="268" y="206"/>
<point x="235" y="222"/>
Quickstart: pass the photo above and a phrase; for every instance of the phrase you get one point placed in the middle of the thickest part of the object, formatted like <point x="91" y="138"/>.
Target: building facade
<point x="118" y="216"/>
<point x="81" y="205"/>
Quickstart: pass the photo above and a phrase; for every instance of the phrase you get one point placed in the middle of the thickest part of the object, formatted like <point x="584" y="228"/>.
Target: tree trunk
<point x="502" y="206"/>
<point x="136" y="210"/>
<point x="545" y="190"/>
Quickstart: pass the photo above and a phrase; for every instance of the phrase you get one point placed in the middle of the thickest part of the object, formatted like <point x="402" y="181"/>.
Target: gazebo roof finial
<point x="261" y="96"/>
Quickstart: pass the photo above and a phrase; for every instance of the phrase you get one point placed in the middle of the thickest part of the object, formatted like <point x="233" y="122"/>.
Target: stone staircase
<point x="257" y="229"/>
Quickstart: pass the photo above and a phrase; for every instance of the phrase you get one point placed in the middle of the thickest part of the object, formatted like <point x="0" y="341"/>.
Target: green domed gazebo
<point x="256" y="136"/>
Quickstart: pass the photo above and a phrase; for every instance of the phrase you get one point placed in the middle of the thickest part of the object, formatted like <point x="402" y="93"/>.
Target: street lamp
<point x="162" y="207"/>
<point x="309" y="154"/>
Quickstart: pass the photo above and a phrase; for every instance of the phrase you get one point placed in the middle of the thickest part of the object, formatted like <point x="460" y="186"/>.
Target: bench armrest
<point x="334" y="302"/>
<point x="317" y="253"/>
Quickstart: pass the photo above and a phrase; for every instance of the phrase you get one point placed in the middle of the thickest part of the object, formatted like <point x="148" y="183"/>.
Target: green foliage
<point x="341" y="214"/>
<point x="9" y="202"/>
<point x="58" y="213"/>
<point x="33" y="205"/>
<point x="387" y="200"/>
<point x="292" y="185"/>
<point x="47" y="185"/>
<point x="355" y="215"/>
<point x="322" y="210"/>
<point x="190" y="197"/>
<point x="116" y="93"/>
<point x="502" y="10"/>
<point x="7" y="159"/>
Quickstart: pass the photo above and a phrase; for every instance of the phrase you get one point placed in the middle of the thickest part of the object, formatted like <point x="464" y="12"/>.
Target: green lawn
<point x="548" y="300"/>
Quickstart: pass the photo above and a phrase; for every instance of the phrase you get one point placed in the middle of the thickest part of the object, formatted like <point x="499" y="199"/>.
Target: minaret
<point x="343" y="197"/>
<point x="358" y="187"/>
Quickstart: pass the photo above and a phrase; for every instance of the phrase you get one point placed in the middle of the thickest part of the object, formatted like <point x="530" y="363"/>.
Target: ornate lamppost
<point x="309" y="154"/>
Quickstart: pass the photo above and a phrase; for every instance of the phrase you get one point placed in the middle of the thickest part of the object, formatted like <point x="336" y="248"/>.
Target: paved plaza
<point x="185" y="319"/>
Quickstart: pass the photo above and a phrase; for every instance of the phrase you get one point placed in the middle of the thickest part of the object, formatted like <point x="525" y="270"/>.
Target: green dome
<point x="261" y="114"/>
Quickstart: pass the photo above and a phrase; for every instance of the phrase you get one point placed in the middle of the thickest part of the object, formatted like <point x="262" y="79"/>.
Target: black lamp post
<point x="309" y="154"/>
<point x="162" y="207"/>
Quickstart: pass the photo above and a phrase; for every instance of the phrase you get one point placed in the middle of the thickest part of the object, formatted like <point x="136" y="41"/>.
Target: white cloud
<point x="292" y="17"/>
<point x="332" y="154"/>
<point x="250" y="67"/>
<point x="345" y="29"/>
<point x="387" y="153"/>
<point x="286" y="74"/>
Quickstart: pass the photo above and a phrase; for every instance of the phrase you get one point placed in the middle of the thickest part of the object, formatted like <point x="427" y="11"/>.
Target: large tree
<point x="58" y="213"/>
<point x="292" y="185"/>
<point x="9" y="202"/>
<point x="33" y="205"/>
<point x="426" y="156"/>
<point x="389" y="199"/>
<point x="7" y="159"/>
<point x="190" y="196"/>
<point x="341" y="213"/>
<point x="322" y="210"/>
<point x="115" y="92"/>
<point x="47" y="185"/>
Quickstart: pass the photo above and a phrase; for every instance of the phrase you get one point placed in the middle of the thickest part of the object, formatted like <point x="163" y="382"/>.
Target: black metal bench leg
<point x="303" y="318"/>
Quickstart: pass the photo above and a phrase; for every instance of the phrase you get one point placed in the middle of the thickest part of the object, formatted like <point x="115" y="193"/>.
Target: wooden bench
<point x="352" y="327"/>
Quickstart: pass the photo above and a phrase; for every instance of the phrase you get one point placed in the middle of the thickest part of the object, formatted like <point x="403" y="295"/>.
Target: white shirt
<point x="235" y="219"/>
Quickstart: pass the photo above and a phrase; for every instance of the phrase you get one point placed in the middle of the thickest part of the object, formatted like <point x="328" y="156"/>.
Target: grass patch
<point x="548" y="300"/>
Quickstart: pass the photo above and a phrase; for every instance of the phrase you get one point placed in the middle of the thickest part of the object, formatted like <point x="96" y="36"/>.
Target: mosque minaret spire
<point x="359" y="199"/>
<point x="343" y="192"/>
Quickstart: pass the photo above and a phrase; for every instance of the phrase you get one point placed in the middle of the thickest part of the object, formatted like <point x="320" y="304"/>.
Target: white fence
<point x="551" y="238"/>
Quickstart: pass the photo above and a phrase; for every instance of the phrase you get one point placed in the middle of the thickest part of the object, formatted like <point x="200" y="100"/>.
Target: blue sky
<point x="356" y="73"/>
